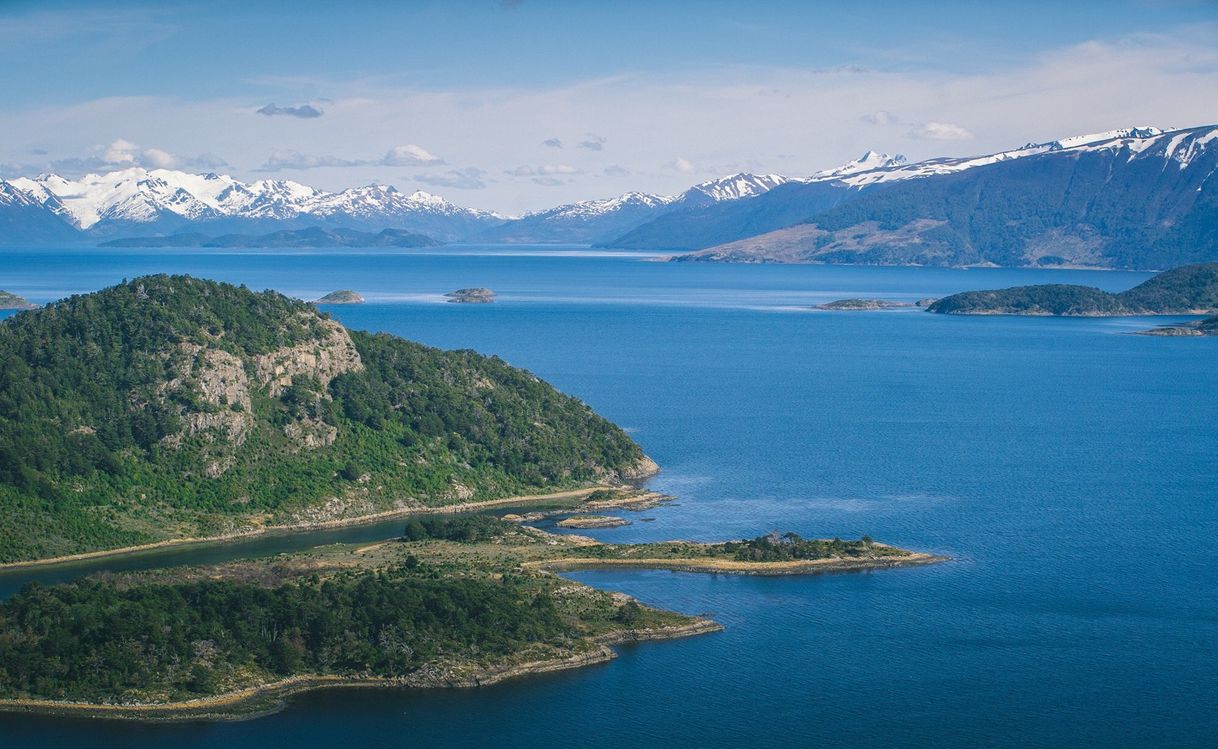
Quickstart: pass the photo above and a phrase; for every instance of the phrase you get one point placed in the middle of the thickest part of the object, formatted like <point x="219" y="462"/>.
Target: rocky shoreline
<point x="760" y="569"/>
<point x="269" y="698"/>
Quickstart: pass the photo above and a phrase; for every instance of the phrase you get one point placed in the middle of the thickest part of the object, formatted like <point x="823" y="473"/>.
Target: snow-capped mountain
<point x="596" y="221"/>
<point x="1140" y="198"/>
<point x="869" y="161"/>
<point x="732" y="187"/>
<point x="832" y="191"/>
<point x="896" y="172"/>
<point x="138" y="202"/>
<point x="151" y="201"/>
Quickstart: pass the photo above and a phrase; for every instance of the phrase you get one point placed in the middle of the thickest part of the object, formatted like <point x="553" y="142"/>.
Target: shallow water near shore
<point x="1071" y="472"/>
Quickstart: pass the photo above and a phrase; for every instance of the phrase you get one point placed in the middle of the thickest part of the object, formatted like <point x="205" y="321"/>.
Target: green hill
<point x="170" y="406"/>
<point x="1190" y="289"/>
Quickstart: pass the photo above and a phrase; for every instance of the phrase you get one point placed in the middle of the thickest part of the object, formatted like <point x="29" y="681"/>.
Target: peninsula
<point x="1207" y="326"/>
<point x="458" y="601"/>
<point x="9" y="300"/>
<point x="170" y="408"/>
<point x="1187" y="290"/>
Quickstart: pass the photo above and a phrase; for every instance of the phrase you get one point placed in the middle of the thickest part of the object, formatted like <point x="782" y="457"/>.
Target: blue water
<point x="1070" y="470"/>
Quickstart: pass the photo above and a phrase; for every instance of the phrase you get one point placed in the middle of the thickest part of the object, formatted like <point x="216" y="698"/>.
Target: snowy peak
<point x="1134" y="140"/>
<point x="867" y="162"/>
<point x="591" y="209"/>
<point x="144" y="196"/>
<point x="732" y="187"/>
<point x="1084" y="140"/>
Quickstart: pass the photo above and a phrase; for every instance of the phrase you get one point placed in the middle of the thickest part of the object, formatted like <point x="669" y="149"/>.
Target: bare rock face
<point x="323" y="360"/>
<point x="641" y="469"/>
<point x="218" y="385"/>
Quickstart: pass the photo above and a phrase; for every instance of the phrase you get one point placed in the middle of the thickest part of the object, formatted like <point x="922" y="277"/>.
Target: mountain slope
<point x="599" y="222"/>
<point x="1188" y="290"/>
<point x="1141" y="200"/>
<point x="169" y="406"/>
<point x="694" y="224"/>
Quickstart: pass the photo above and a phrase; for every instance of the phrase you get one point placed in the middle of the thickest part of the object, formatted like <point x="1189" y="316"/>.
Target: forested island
<point x="170" y="407"/>
<point x="1187" y="290"/>
<point x="314" y="238"/>
<point x="456" y="601"/>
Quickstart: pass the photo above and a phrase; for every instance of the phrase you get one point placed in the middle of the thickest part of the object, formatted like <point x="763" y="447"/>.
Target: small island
<point x="9" y="300"/>
<point x="1207" y="326"/>
<point x="456" y="601"/>
<point x="471" y="296"/>
<point x="592" y="521"/>
<point x="342" y="296"/>
<point x="862" y="305"/>
<point x="1187" y="290"/>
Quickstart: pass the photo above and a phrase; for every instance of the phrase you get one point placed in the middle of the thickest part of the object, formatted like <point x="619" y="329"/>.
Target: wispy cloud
<point x="469" y="178"/>
<point x="682" y="165"/>
<point x="542" y="170"/>
<point x="594" y="142"/>
<point x="552" y="143"/>
<point x="880" y="117"/>
<point x="301" y="111"/>
<point x="407" y="155"/>
<point x="291" y="159"/>
<point x="940" y="131"/>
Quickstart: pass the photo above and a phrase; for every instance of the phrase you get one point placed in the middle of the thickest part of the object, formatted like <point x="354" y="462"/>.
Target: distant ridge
<point x="315" y="237"/>
<point x="1136" y="197"/>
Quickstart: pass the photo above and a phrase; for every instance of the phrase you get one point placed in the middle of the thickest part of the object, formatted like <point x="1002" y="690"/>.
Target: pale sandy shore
<point x="524" y="499"/>
<point x="733" y="567"/>
<point x="266" y="698"/>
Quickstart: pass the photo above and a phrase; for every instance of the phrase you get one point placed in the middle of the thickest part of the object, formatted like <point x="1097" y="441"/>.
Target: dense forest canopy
<point x="169" y="405"/>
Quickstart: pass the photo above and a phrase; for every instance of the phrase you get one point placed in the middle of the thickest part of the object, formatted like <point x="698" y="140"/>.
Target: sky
<point x="518" y="105"/>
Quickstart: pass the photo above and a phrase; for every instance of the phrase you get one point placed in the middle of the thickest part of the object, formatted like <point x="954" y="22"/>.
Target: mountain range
<point x="1132" y="198"/>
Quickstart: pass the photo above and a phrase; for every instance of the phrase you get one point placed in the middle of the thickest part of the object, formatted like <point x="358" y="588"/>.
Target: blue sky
<point x="462" y="98"/>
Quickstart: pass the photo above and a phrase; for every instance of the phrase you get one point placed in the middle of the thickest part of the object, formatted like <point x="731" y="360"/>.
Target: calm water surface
<point x="1070" y="470"/>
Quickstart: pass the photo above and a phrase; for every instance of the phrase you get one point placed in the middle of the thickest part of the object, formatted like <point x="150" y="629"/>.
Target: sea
<point x="1068" y="468"/>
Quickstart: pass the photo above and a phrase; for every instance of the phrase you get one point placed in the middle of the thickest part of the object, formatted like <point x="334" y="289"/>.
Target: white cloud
<point x="411" y="155"/>
<point x="122" y="154"/>
<point x="682" y="165"/>
<point x="941" y="131"/>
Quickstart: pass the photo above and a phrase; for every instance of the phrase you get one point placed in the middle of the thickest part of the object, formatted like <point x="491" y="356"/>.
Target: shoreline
<point x="229" y="706"/>
<point x="733" y="567"/>
<point x="375" y="517"/>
